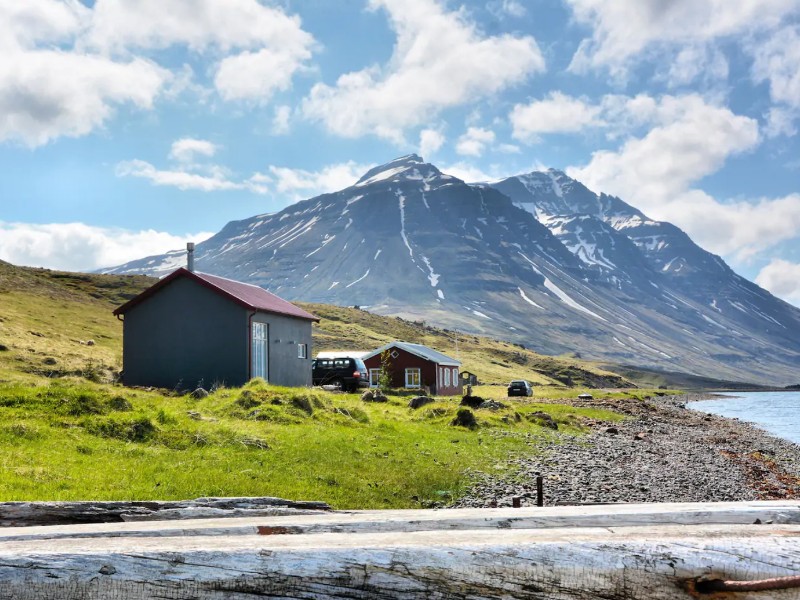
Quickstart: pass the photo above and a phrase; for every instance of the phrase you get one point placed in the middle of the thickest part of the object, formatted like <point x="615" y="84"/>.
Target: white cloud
<point x="781" y="121"/>
<point x="272" y="45"/>
<point x="281" y="119"/>
<point x="782" y="278"/>
<point x="300" y="183"/>
<point x="473" y="142"/>
<point x="777" y="60"/>
<point x="558" y="113"/>
<point x="430" y="140"/>
<point x="122" y="25"/>
<point x="697" y="61"/>
<point x="623" y="31"/>
<point x="45" y="94"/>
<point x="81" y="247"/>
<point x="691" y="140"/>
<point x="656" y="173"/>
<point x="216" y="178"/>
<point x="186" y="149"/>
<point x="258" y="75"/>
<point x="440" y="60"/>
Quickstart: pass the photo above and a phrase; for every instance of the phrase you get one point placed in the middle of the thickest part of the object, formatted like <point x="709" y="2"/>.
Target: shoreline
<point x="662" y="452"/>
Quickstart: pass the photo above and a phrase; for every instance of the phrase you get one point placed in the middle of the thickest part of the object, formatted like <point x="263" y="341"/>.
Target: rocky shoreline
<point x="663" y="452"/>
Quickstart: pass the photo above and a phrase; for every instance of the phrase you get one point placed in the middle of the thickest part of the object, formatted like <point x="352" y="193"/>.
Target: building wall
<point x="183" y="336"/>
<point x="429" y="372"/>
<point x="186" y="335"/>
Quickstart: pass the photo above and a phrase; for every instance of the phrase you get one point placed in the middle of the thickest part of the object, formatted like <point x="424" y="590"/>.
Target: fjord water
<point x="775" y="412"/>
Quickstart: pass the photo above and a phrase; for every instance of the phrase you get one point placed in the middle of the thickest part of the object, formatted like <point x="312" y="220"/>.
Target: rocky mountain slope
<point x="537" y="259"/>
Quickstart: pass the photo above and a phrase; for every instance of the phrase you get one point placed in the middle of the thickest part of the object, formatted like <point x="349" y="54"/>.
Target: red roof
<point x="247" y="295"/>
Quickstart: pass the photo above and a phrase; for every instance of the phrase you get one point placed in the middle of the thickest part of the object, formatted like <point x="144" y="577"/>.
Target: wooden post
<point x="539" y="490"/>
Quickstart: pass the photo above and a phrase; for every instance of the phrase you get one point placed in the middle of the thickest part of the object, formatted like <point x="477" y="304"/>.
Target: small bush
<point x="303" y="404"/>
<point x="83" y="404"/>
<point x="465" y="418"/>
<point x="120" y="404"/>
<point x="139" y="429"/>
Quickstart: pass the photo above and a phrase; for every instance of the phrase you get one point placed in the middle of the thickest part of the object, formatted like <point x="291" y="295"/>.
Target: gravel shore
<point x="663" y="452"/>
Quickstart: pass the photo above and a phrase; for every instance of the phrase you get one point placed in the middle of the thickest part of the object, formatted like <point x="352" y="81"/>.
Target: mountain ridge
<point x="538" y="259"/>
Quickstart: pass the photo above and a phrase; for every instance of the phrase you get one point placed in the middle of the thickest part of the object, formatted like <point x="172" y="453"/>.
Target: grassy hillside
<point x="493" y="361"/>
<point x="67" y="431"/>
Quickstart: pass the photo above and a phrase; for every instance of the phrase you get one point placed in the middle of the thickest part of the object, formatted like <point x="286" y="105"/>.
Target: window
<point x="302" y="350"/>
<point x="441" y="377"/>
<point x="447" y="378"/>
<point x="374" y="376"/>
<point x="413" y="378"/>
<point x="455" y="377"/>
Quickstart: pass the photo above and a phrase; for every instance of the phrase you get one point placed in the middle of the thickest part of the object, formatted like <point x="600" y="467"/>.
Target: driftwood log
<point x="20" y="514"/>
<point x="625" y="552"/>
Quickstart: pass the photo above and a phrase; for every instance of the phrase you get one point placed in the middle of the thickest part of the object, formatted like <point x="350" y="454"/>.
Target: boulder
<point x="465" y="418"/>
<point x="418" y="401"/>
<point x="200" y="393"/>
<point x="374" y="396"/>
<point x="368" y="396"/>
<point x="491" y="405"/>
<point x="472" y="401"/>
<point x="611" y="430"/>
<point x="543" y="419"/>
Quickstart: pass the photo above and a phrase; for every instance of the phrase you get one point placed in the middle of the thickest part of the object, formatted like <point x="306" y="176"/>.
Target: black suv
<point x="520" y="387"/>
<point x="347" y="374"/>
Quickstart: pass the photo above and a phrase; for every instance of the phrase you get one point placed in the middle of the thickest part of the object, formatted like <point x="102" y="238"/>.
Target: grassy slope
<point x="67" y="433"/>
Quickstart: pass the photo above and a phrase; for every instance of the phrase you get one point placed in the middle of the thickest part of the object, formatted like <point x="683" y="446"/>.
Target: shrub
<point x="138" y="429"/>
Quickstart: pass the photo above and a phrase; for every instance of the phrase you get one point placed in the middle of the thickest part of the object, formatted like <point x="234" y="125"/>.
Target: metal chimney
<point x="190" y="256"/>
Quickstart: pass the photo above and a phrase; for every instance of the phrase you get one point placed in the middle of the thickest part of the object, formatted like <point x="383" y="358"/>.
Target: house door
<point x="259" y="351"/>
<point x="374" y="377"/>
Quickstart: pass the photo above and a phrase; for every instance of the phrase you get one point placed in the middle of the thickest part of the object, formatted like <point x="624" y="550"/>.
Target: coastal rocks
<point x="663" y="453"/>
<point x="543" y="419"/>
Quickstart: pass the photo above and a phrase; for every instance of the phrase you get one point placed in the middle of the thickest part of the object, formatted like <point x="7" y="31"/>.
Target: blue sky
<point x="128" y="128"/>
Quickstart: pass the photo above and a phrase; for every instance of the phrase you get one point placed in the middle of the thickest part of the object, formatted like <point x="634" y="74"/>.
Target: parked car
<point x="345" y="373"/>
<point x="520" y="387"/>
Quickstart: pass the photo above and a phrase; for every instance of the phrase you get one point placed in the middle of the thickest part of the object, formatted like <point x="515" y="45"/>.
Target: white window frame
<point x="410" y="372"/>
<point x="373" y="381"/>
<point x="259" y="350"/>
<point x="446" y="377"/>
<point x="455" y="377"/>
<point x="302" y="350"/>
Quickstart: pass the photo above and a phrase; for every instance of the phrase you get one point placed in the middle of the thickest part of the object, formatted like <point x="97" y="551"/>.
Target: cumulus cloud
<point x="215" y="179"/>
<point x="81" y="247"/>
<point x="625" y="30"/>
<point x="782" y="278"/>
<point x="281" y="119"/>
<point x="656" y="173"/>
<point x="301" y="183"/>
<point x="440" y="60"/>
<point x="186" y="149"/>
<point x="474" y="141"/>
<point x="558" y="113"/>
<point x="67" y="67"/>
<point x="776" y="61"/>
<point x="45" y="94"/>
<point x="430" y="140"/>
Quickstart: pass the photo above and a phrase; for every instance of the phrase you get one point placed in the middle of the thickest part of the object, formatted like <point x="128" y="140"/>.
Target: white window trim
<point x="377" y="373"/>
<point x="447" y="377"/>
<point x="302" y="350"/>
<point x="455" y="377"/>
<point x="416" y="370"/>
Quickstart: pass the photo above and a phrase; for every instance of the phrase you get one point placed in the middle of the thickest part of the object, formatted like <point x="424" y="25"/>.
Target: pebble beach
<point x="662" y="452"/>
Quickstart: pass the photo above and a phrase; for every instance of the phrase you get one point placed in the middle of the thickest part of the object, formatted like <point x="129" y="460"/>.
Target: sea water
<point x="776" y="412"/>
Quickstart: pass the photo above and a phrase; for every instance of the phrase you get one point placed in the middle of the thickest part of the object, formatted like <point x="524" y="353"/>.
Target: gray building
<point x="193" y="329"/>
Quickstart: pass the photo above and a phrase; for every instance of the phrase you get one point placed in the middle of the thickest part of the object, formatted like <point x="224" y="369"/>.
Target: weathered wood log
<point x="297" y="522"/>
<point x="468" y="553"/>
<point x="17" y="514"/>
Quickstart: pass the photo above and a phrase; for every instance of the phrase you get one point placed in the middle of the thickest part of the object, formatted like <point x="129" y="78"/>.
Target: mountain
<point x="537" y="259"/>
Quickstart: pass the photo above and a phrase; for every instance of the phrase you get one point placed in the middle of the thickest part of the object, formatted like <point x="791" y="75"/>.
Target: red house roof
<point x="247" y="295"/>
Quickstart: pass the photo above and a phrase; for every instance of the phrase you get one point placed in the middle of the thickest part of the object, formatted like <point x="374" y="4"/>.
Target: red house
<point x="416" y="366"/>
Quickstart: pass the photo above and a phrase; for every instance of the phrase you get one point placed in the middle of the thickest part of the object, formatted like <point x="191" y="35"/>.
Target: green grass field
<point x="67" y="432"/>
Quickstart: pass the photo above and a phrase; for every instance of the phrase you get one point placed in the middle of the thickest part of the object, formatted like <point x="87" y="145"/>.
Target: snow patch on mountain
<point x="528" y="300"/>
<point x="352" y="283"/>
